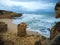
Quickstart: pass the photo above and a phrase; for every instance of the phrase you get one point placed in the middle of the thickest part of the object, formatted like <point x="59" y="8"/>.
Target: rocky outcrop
<point x="56" y="40"/>
<point x="1" y="41"/>
<point x="3" y="27"/>
<point x="55" y="34"/>
<point x="21" y="38"/>
<point x="55" y="30"/>
<point x="8" y="14"/>
<point x="57" y="16"/>
<point x="57" y="10"/>
<point x="52" y="33"/>
<point x="38" y="42"/>
<point x="9" y="38"/>
<point x="21" y="29"/>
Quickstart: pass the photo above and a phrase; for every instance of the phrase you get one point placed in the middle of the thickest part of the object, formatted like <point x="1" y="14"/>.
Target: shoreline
<point x="13" y="28"/>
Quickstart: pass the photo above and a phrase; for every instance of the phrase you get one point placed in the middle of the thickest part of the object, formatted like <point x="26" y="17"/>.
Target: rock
<point x="1" y="41"/>
<point x="44" y="40"/>
<point x="38" y="42"/>
<point x="56" y="40"/>
<point x="22" y="38"/>
<point x="57" y="10"/>
<point x="52" y="33"/>
<point x="3" y="27"/>
<point x="55" y="30"/>
<point x="8" y="14"/>
<point x="21" y="29"/>
<point x="8" y="43"/>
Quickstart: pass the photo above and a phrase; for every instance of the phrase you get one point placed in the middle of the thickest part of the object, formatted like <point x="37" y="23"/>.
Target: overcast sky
<point x="27" y="5"/>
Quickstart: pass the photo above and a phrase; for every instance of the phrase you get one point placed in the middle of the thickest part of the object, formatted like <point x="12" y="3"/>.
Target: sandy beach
<point x="13" y="27"/>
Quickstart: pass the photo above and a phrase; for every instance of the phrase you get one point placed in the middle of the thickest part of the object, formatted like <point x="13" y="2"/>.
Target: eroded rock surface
<point x="55" y="30"/>
<point x="3" y="27"/>
<point x="21" y="29"/>
<point x="21" y="38"/>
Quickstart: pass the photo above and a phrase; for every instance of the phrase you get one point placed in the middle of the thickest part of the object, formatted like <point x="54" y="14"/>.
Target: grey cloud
<point x="45" y="1"/>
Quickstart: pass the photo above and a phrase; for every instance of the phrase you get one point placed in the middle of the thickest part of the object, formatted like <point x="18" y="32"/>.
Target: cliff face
<point x="55" y="30"/>
<point x="57" y="16"/>
<point x="57" y="9"/>
<point x="56" y="40"/>
<point x="8" y="14"/>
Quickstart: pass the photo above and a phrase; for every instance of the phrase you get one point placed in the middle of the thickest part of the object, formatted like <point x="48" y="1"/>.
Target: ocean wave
<point x="37" y="23"/>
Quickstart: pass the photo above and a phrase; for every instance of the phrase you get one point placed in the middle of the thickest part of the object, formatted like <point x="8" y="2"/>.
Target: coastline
<point x="13" y="28"/>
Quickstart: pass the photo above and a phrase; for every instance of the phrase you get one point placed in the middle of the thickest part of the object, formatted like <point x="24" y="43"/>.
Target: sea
<point x="37" y="23"/>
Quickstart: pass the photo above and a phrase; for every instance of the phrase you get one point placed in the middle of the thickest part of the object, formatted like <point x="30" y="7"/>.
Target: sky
<point x="28" y="6"/>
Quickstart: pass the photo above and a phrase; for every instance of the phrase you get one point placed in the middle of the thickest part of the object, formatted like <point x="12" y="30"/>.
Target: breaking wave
<point x="37" y="23"/>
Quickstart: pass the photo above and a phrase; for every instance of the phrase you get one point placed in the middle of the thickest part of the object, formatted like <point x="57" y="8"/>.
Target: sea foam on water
<point x="38" y="23"/>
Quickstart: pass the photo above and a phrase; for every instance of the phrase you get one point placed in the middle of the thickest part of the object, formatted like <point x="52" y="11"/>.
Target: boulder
<point x="21" y="29"/>
<point x="55" y="30"/>
<point x="3" y="27"/>
<point x="56" y="40"/>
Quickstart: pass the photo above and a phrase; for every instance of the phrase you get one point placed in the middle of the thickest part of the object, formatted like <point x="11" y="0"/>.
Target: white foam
<point x="36" y="23"/>
<point x="47" y="34"/>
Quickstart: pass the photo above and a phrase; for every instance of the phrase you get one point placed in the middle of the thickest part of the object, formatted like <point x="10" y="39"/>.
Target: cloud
<point x="29" y="6"/>
<point x="54" y="1"/>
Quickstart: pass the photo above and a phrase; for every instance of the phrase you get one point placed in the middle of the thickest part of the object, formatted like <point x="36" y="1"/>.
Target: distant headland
<point x="9" y="14"/>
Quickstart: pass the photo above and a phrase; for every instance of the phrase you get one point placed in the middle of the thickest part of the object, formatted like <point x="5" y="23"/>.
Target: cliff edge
<point x="9" y="14"/>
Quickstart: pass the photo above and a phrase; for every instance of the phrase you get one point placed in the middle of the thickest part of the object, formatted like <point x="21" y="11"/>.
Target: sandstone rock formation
<point x="21" y="29"/>
<point x="52" y="33"/>
<point x="9" y="38"/>
<point x="1" y="41"/>
<point x="21" y="38"/>
<point x="3" y="27"/>
<point x="55" y="30"/>
<point x="8" y="14"/>
<point x="38" y="42"/>
<point x="56" y="40"/>
<point x="57" y="10"/>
